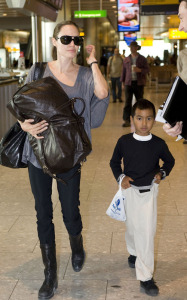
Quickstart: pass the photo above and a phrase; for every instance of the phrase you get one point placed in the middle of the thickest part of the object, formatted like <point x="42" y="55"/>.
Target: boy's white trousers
<point x="141" y="213"/>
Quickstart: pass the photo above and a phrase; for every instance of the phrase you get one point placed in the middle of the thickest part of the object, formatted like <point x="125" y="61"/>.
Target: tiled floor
<point x="106" y="275"/>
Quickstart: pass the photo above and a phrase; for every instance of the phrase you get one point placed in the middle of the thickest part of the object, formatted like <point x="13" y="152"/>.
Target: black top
<point x="141" y="159"/>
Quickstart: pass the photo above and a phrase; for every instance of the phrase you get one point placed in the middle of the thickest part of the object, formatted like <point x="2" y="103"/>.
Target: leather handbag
<point x="11" y="147"/>
<point x="65" y="142"/>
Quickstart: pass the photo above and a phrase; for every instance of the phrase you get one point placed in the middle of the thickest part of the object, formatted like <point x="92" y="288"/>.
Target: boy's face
<point x="143" y="121"/>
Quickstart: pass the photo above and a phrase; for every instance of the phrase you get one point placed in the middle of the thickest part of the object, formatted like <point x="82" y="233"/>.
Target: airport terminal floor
<point x="106" y="275"/>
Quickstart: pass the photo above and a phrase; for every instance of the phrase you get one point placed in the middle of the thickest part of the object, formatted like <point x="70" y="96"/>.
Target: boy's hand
<point x="158" y="177"/>
<point x="125" y="184"/>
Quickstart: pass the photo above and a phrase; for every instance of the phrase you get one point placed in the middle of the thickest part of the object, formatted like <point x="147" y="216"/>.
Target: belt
<point x="144" y="191"/>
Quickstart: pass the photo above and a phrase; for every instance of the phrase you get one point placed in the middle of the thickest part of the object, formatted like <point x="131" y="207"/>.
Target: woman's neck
<point x="65" y="65"/>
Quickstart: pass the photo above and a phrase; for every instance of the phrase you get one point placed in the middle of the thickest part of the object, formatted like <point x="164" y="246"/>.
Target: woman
<point x="77" y="81"/>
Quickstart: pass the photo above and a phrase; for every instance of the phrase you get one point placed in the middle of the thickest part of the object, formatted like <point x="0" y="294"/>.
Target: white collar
<point x="142" y="138"/>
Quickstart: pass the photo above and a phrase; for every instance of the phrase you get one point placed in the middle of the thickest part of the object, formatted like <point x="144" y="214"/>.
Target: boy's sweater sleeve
<point x="115" y="162"/>
<point x="168" y="159"/>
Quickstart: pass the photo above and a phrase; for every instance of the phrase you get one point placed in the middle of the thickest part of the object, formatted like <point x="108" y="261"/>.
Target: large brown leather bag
<point x="65" y="142"/>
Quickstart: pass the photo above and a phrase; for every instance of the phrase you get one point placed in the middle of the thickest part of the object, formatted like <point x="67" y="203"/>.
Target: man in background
<point x="135" y="69"/>
<point x="114" y="69"/>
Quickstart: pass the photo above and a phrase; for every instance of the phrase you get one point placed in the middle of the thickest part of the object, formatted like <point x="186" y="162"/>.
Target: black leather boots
<point x="78" y="254"/>
<point x="50" y="283"/>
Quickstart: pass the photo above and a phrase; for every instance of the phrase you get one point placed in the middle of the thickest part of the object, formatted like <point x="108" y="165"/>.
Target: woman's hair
<point x="143" y="104"/>
<point x="56" y="32"/>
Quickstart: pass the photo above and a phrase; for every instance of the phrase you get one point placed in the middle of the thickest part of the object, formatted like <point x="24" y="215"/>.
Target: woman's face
<point x="70" y="50"/>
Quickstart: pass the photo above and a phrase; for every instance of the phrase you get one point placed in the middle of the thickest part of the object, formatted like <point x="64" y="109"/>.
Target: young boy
<point x="140" y="152"/>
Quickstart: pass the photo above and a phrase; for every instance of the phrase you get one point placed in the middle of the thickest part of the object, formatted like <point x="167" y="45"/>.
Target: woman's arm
<point x="100" y="84"/>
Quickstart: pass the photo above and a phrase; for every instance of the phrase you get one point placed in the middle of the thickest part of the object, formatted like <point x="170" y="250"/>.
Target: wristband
<point x="163" y="174"/>
<point x="94" y="62"/>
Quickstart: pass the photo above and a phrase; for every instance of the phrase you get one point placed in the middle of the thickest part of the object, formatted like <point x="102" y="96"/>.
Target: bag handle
<point x="39" y="70"/>
<point x="120" y="181"/>
<point x="73" y="100"/>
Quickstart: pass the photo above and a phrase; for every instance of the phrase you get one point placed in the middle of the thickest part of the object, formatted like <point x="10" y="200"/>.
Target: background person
<point x="114" y="69"/>
<point x="135" y="69"/>
<point x="123" y="55"/>
<point x="77" y="81"/>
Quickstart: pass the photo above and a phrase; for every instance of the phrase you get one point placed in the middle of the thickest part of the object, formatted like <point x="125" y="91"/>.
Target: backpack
<point x="65" y="142"/>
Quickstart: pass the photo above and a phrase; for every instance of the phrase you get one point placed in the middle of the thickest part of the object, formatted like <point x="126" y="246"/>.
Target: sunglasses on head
<point x="67" y="39"/>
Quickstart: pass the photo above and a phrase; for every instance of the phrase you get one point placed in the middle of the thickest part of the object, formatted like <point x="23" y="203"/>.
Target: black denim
<point x="41" y="185"/>
<point x="116" y="82"/>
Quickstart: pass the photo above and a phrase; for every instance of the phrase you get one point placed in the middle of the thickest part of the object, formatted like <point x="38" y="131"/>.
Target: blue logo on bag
<point x="116" y="207"/>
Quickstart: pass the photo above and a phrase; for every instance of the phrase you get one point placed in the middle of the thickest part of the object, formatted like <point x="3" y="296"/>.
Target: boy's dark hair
<point x="143" y="104"/>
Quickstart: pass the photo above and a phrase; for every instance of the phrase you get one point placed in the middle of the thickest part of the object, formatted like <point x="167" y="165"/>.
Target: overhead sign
<point x="147" y="43"/>
<point x="159" y="2"/>
<point x="128" y="15"/>
<point x="130" y="37"/>
<point x="159" y="7"/>
<point x="175" y="34"/>
<point x="79" y="14"/>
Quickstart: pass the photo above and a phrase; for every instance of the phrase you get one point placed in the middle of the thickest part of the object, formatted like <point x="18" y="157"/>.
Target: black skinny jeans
<point x="138" y="91"/>
<point x="41" y="185"/>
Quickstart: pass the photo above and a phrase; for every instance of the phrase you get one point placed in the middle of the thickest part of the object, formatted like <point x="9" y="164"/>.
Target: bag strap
<point x="121" y="178"/>
<point x="47" y="171"/>
<point x="39" y="70"/>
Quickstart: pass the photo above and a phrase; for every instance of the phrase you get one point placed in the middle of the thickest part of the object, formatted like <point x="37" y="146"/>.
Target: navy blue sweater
<point x="141" y="159"/>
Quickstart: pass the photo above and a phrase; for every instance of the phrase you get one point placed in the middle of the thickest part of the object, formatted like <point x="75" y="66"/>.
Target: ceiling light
<point x="15" y="3"/>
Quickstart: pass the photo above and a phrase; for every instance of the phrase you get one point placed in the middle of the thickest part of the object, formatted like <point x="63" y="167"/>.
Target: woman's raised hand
<point x="91" y="51"/>
<point x="34" y="129"/>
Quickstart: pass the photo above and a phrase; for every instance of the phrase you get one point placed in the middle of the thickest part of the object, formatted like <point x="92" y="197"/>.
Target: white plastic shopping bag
<point x="116" y="209"/>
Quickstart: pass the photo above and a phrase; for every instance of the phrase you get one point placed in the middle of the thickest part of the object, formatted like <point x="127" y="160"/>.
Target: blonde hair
<point x="56" y="32"/>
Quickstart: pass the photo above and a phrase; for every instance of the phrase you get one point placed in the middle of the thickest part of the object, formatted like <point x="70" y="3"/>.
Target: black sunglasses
<point x="66" y="39"/>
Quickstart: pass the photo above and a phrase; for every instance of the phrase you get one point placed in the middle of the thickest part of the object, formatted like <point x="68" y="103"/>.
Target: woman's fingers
<point x="34" y="129"/>
<point x="173" y="131"/>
